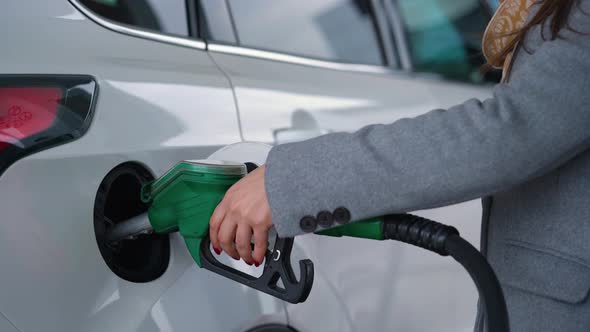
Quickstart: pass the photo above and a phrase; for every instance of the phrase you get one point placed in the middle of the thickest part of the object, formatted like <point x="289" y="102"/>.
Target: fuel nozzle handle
<point x="277" y="266"/>
<point x="277" y="269"/>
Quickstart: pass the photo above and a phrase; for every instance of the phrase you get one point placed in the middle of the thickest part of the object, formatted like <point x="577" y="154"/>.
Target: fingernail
<point x="256" y="263"/>
<point x="249" y="263"/>
<point x="217" y="251"/>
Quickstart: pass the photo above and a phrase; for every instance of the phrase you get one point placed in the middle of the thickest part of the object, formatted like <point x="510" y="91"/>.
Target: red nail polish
<point x="256" y="264"/>
<point x="249" y="263"/>
<point x="217" y="251"/>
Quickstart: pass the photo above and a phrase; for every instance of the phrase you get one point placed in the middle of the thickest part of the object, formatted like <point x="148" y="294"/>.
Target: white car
<point x="98" y="97"/>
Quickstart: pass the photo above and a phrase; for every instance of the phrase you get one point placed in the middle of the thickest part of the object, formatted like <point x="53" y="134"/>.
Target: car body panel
<point x="157" y="104"/>
<point x="278" y="97"/>
<point x="162" y="100"/>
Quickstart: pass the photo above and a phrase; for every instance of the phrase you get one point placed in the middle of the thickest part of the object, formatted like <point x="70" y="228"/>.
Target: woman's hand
<point x="243" y="211"/>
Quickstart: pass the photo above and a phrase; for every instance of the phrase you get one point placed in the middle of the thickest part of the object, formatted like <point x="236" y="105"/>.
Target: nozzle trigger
<point x="277" y="267"/>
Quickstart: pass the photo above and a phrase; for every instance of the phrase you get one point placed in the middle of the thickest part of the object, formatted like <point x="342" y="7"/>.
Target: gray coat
<point x="526" y="150"/>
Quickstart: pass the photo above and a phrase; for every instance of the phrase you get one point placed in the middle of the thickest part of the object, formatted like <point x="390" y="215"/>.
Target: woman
<point x="526" y="150"/>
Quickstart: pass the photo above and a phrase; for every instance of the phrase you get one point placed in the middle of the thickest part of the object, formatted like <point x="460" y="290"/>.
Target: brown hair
<point x="557" y="11"/>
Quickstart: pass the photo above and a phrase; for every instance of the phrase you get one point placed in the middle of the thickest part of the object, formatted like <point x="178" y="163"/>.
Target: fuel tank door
<point x="246" y="152"/>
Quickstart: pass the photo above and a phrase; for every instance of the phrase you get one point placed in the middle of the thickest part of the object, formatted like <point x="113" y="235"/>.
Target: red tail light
<point x="41" y="112"/>
<point x="25" y="112"/>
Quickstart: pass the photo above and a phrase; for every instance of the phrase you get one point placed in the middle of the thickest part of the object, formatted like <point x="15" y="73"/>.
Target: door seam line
<point x="233" y="92"/>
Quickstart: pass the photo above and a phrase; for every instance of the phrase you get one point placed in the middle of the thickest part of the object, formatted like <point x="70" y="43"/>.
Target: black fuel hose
<point x="445" y="240"/>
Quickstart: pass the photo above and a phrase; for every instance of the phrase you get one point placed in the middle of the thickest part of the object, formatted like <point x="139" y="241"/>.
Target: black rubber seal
<point x="118" y="198"/>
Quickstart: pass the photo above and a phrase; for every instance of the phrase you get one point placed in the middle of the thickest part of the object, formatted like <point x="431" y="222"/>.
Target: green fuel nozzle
<point x="371" y="229"/>
<point x="183" y="200"/>
<point x="407" y="228"/>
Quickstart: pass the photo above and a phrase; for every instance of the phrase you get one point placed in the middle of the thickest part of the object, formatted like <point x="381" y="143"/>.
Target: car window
<point x="162" y="16"/>
<point x="494" y="4"/>
<point x="215" y="20"/>
<point x="336" y="30"/>
<point x="445" y="36"/>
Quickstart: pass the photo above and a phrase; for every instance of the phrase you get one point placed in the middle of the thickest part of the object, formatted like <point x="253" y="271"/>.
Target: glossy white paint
<point x="270" y="91"/>
<point x="380" y="286"/>
<point x="157" y="104"/>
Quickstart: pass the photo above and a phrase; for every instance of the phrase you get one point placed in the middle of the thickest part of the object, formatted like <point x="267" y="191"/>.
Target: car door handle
<point x="303" y="126"/>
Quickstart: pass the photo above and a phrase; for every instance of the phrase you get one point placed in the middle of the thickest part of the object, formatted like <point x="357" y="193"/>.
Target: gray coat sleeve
<point x="534" y="123"/>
